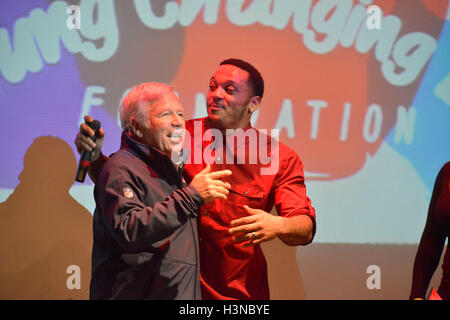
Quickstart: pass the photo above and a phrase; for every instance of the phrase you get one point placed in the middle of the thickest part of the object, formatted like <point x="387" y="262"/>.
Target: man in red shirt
<point x="232" y="264"/>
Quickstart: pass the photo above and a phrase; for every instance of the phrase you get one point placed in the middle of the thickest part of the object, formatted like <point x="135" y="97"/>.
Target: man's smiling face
<point x="165" y="125"/>
<point x="229" y="97"/>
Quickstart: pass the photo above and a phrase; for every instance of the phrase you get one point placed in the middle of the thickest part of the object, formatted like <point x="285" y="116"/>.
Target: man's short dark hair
<point x="255" y="77"/>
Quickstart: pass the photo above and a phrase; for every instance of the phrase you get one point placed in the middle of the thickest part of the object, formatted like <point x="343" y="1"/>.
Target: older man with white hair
<point x="145" y="230"/>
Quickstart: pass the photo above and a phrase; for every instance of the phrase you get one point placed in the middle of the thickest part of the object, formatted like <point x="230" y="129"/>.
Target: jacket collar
<point x="150" y="154"/>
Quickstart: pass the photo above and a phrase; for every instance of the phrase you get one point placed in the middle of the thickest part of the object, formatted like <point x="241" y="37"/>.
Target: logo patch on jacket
<point x="128" y="193"/>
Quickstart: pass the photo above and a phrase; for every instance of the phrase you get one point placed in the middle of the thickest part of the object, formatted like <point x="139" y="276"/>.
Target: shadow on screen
<point x="44" y="230"/>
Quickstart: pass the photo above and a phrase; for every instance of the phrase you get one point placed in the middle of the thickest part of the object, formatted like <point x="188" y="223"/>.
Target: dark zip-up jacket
<point x="145" y="230"/>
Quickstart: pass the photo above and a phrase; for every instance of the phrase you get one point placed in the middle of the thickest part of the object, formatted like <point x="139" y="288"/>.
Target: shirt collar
<point x="206" y="126"/>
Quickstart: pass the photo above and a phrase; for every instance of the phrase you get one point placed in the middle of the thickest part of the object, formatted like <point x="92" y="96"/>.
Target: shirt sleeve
<point x="134" y="225"/>
<point x="290" y="189"/>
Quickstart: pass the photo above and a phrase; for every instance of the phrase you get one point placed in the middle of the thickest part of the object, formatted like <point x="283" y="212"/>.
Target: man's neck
<point x="214" y="125"/>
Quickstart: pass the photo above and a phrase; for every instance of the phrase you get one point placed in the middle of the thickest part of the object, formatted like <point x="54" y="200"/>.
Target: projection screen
<point x="359" y="89"/>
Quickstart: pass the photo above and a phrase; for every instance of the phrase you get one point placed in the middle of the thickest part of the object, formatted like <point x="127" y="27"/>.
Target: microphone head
<point x="95" y="125"/>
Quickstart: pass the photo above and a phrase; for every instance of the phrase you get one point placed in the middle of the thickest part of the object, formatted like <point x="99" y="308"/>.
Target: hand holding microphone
<point x="89" y="142"/>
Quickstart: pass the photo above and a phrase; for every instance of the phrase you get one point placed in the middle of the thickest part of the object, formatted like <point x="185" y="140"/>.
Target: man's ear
<point x="254" y="104"/>
<point x="135" y="127"/>
<point x="138" y="133"/>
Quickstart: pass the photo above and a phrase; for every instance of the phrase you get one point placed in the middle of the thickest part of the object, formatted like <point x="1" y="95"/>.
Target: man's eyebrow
<point x="227" y="82"/>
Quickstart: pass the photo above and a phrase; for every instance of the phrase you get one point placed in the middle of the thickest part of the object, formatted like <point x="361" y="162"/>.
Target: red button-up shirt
<point x="265" y="173"/>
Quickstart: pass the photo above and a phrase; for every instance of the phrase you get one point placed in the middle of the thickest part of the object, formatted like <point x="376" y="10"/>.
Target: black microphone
<point x="85" y="159"/>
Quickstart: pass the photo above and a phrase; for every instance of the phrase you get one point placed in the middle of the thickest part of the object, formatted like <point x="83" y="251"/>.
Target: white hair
<point x="137" y="98"/>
